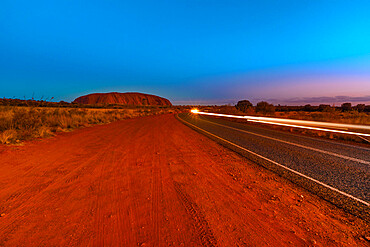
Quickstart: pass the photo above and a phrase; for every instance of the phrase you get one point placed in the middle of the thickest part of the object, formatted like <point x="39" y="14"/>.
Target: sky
<point x="189" y="51"/>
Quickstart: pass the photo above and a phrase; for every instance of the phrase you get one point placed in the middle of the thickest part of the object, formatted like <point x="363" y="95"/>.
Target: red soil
<point x="154" y="182"/>
<point x="123" y="98"/>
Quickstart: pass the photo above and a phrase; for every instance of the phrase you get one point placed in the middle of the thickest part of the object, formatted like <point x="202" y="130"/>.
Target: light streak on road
<point x="293" y="123"/>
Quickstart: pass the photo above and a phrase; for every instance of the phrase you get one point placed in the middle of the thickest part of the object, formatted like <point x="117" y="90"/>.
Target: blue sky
<point x="187" y="51"/>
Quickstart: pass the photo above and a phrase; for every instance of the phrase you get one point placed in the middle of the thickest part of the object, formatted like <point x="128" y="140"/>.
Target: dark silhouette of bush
<point x="244" y="105"/>
<point x="367" y="108"/>
<point x="360" y="107"/>
<point x="265" y="107"/>
<point x="346" y="106"/>
<point x="308" y="108"/>
<point x="324" y="107"/>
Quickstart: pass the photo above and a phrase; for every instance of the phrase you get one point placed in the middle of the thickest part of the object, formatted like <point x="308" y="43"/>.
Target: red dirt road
<point x="154" y="182"/>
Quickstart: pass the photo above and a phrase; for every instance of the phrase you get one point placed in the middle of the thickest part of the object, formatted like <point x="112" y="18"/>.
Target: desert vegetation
<point x="346" y="113"/>
<point x="19" y="123"/>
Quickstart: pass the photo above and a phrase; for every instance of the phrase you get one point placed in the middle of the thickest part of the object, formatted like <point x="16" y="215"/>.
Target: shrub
<point x="346" y="106"/>
<point x="360" y="107"/>
<point x="264" y="107"/>
<point x="244" y="105"/>
<point x="324" y="107"/>
<point x="308" y="108"/>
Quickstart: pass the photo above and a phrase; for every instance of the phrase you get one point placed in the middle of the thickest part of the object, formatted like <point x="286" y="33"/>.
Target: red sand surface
<point x="154" y="182"/>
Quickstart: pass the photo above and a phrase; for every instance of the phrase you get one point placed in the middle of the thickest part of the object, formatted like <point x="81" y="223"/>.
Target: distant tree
<point x="360" y="107"/>
<point x="265" y="107"/>
<point x="346" y="106"/>
<point x="308" y="107"/>
<point x="367" y="108"/>
<point x="244" y="105"/>
<point x="324" y="107"/>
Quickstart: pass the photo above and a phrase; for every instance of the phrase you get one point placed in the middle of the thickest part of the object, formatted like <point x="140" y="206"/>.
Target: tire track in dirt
<point x="45" y="191"/>
<point x="156" y="192"/>
<point x="120" y="188"/>
<point x="200" y="223"/>
<point x="211" y="181"/>
<point x="54" y="174"/>
<point x="140" y="187"/>
<point x="105" y="215"/>
<point x="222" y="189"/>
<point x="99" y="219"/>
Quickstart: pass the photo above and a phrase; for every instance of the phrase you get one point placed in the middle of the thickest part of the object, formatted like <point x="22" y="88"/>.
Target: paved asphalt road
<point x="342" y="166"/>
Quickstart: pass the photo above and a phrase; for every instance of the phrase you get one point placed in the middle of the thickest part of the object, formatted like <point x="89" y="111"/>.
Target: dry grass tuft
<point x="8" y="136"/>
<point x="43" y="131"/>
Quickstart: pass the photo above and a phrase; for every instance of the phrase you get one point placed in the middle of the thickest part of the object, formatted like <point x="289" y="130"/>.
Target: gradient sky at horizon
<point x="188" y="51"/>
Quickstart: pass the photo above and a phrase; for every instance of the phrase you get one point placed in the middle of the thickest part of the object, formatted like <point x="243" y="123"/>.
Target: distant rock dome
<point x="123" y="98"/>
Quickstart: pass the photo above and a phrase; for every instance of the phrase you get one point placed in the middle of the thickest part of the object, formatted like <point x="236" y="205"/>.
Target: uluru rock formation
<point x="122" y="98"/>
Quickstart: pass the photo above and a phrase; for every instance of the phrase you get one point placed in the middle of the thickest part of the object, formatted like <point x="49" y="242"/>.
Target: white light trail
<point x="288" y="123"/>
